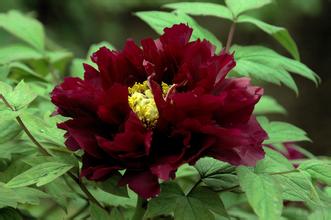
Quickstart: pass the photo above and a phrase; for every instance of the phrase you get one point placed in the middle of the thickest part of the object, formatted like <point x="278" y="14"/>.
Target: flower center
<point x="141" y="101"/>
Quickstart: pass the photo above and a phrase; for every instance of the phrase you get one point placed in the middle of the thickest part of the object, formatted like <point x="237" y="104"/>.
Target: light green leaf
<point x="202" y="8"/>
<point x="263" y="72"/>
<point x="23" y="195"/>
<point x="26" y="28"/>
<point x="158" y="20"/>
<point x="39" y="175"/>
<point x="98" y="213"/>
<point x="240" y="6"/>
<point x="297" y="186"/>
<point x="279" y="33"/>
<point x="263" y="193"/>
<point x="76" y="68"/>
<point x="17" y="52"/>
<point x="21" y="96"/>
<point x="5" y="89"/>
<point x="24" y="71"/>
<point x="273" y="162"/>
<point x="281" y="132"/>
<point x="269" y="105"/>
<point x="273" y="60"/>
<point x="318" y="169"/>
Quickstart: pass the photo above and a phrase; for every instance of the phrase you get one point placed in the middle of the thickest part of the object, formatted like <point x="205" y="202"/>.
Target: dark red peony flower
<point x="147" y="110"/>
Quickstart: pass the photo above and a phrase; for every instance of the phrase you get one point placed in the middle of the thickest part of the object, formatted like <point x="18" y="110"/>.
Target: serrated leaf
<point x="279" y="33"/>
<point x="21" y="96"/>
<point x="281" y="132"/>
<point x="26" y="28"/>
<point x="158" y="20"/>
<point x="318" y="169"/>
<point x="40" y="175"/>
<point x="202" y="8"/>
<point x="263" y="193"/>
<point x="268" y="105"/>
<point x="17" y="52"/>
<point x="240" y="6"/>
<point x="98" y="213"/>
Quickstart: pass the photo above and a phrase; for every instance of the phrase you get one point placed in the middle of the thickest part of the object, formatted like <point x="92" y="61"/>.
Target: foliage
<point x="36" y="167"/>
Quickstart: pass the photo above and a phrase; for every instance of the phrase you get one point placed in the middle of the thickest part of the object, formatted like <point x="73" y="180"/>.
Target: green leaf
<point x="116" y="214"/>
<point x="202" y="8"/>
<point x="263" y="193"/>
<point x="240" y="6"/>
<point x="263" y="72"/>
<point x="318" y="169"/>
<point x="208" y="166"/>
<point x="9" y="129"/>
<point x="273" y="162"/>
<point x="279" y="33"/>
<point x="98" y="213"/>
<point x="295" y="213"/>
<point x="26" y="28"/>
<point x="21" y="96"/>
<point x="273" y="60"/>
<point x="268" y="105"/>
<point x="40" y="175"/>
<point x="10" y="148"/>
<point x="17" y="52"/>
<point x="281" y="132"/>
<point x="111" y="186"/>
<point x="158" y="20"/>
<point x="198" y="204"/>
<point x="24" y="71"/>
<point x="95" y="47"/>
<point x="297" y="186"/>
<point x="23" y="195"/>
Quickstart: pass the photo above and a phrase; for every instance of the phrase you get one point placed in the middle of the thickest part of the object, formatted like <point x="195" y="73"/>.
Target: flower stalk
<point x="230" y="37"/>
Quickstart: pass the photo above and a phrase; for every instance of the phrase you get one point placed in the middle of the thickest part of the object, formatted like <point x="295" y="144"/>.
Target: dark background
<point x="76" y="24"/>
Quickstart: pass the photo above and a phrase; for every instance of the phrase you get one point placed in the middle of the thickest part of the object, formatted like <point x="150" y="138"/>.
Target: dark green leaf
<point x="263" y="193"/>
<point x="116" y="214"/>
<point x="9" y="214"/>
<point x="111" y="186"/>
<point x="208" y="166"/>
<point x="24" y="27"/>
<point x="98" y="213"/>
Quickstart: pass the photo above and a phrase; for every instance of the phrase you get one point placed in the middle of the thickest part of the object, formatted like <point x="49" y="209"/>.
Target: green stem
<point x="140" y="209"/>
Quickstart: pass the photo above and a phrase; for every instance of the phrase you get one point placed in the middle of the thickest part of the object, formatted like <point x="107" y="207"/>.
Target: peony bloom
<point x="147" y="110"/>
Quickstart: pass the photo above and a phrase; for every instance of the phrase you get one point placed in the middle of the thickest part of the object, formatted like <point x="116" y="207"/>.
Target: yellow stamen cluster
<point x="141" y="101"/>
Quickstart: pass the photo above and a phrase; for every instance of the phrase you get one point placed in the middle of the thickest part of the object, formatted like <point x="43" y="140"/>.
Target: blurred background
<point x="76" y="24"/>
